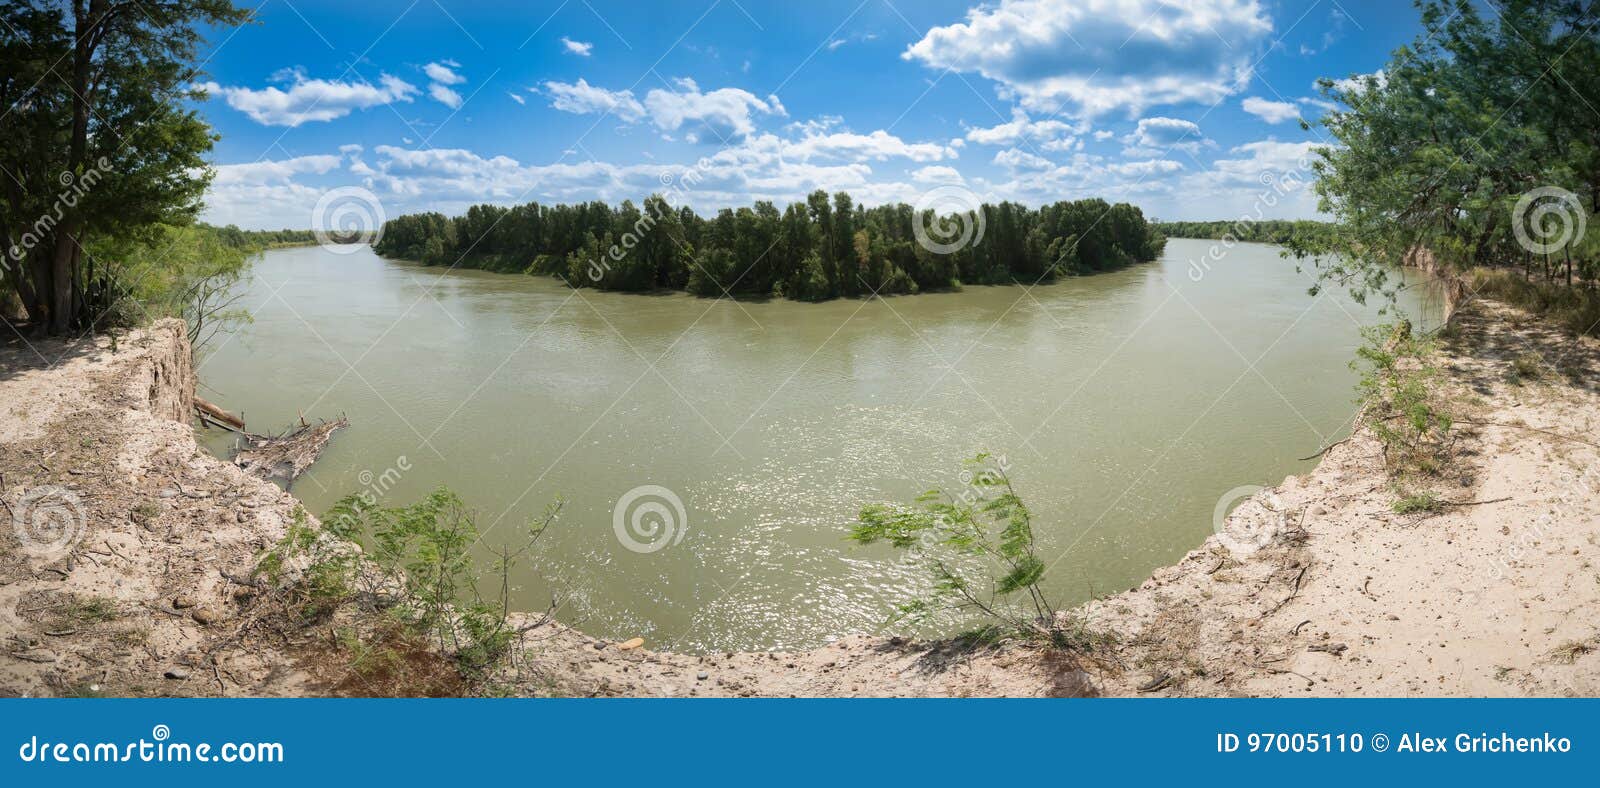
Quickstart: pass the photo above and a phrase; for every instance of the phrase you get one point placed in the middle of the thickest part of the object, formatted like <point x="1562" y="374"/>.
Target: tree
<point x="1465" y="126"/>
<point x="97" y="143"/>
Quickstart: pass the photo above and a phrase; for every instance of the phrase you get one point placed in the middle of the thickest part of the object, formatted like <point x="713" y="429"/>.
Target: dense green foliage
<point x="822" y="248"/>
<point x="99" y="147"/>
<point x="1266" y="231"/>
<point x="255" y="240"/>
<point x="1478" y="143"/>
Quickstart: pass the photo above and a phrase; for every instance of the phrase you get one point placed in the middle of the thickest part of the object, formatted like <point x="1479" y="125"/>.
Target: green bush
<point x="415" y="564"/>
<point x="978" y="547"/>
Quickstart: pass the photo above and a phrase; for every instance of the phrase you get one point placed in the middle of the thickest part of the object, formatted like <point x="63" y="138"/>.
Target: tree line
<point x="825" y="247"/>
<point x="1265" y="231"/>
<point x="1478" y="143"/>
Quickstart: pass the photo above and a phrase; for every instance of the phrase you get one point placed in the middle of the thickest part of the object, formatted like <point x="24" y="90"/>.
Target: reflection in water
<point x="1126" y="403"/>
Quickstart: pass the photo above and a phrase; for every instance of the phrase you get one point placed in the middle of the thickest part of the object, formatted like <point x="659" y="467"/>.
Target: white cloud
<point x="1013" y="159"/>
<point x="839" y="42"/>
<point x="1266" y="179"/>
<point x="879" y="145"/>
<point x="262" y="172"/>
<point x="265" y="194"/>
<point x="1265" y="158"/>
<point x="1103" y="135"/>
<point x="1158" y="135"/>
<point x="579" y="48"/>
<point x="443" y="74"/>
<point x="1144" y="169"/>
<point x="1270" y="111"/>
<point x="937" y="173"/>
<point x="722" y="114"/>
<point x="1019" y="128"/>
<point x="312" y="100"/>
<point x="582" y="98"/>
<point x="445" y="95"/>
<point x="1099" y="56"/>
<point x="1063" y="145"/>
<point x="715" y="116"/>
<point x="516" y="98"/>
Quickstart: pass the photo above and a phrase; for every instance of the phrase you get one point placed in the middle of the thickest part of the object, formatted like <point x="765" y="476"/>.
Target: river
<point x="1126" y="405"/>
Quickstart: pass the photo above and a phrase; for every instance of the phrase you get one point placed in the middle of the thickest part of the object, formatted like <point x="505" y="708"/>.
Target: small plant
<point x="415" y="564"/>
<point x="91" y="610"/>
<point x="1526" y="366"/>
<point x="145" y="513"/>
<point x="1416" y="502"/>
<point x="964" y="540"/>
<point x="1398" y="392"/>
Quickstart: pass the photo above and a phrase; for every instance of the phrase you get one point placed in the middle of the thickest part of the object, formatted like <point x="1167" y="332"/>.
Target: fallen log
<point x="288" y="455"/>
<point x="217" y="414"/>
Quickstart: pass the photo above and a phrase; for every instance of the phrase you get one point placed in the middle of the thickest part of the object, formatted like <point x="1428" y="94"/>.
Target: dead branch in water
<point x="287" y="455"/>
<point x="215" y="414"/>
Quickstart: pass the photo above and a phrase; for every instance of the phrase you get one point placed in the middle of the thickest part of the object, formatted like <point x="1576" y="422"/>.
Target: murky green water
<point x="1126" y="404"/>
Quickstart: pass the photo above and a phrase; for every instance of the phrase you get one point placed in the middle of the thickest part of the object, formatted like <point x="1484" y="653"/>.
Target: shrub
<point x="979" y="549"/>
<point x="1398" y="391"/>
<point x="415" y="564"/>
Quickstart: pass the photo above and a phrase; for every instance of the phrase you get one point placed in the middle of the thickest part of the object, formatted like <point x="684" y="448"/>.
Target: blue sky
<point x="1187" y="109"/>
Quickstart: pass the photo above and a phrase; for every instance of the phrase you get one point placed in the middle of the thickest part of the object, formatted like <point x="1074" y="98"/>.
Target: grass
<point x="146" y="513"/>
<point x="91" y="610"/>
<point x="1576" y="309"/>
<point x="1413" y="503"/>
<point x="1526" y="366"/>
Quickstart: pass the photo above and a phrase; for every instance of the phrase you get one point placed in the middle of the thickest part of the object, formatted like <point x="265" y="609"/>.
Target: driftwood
<point x="286" y="456"/>
<point x="215" y="414"/>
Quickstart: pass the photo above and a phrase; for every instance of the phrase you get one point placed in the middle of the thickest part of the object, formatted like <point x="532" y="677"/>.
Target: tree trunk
<point x="42" y="272"/>
<point x="63" y="288"/>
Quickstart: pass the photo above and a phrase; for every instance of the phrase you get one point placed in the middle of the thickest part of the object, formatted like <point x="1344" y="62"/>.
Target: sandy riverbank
<point x="1497" y="596"/>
